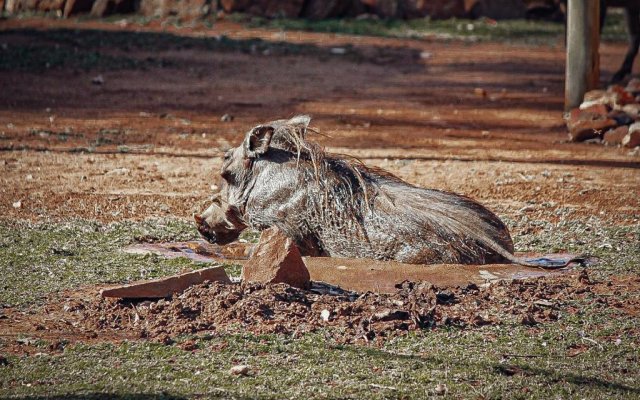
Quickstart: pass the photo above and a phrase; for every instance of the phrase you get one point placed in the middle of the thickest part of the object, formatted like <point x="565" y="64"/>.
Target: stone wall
<point x="311" y="9"/>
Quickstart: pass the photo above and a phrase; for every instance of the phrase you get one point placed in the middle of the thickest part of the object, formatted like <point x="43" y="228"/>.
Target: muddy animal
<point x="334" y="205"/>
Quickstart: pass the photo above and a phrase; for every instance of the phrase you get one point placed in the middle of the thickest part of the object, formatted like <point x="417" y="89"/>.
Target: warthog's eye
<point x="227" y="176"/>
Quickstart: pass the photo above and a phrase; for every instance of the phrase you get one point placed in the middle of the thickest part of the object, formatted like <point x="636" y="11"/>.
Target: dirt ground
<point x="215" y="308"/>
<point x="148" y="140"/>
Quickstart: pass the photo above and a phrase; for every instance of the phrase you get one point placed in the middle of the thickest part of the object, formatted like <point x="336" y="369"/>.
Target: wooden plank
<point x="583" y="59"/>
<point x="165" y="287"/>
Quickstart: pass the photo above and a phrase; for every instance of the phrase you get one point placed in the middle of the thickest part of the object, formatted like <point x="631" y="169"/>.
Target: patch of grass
<point x="486" y="362"/>
<point x="615" y="247"/>
<point x="561" y="359"/>
<point x="510" y="31"/>
<point x="36" y="260"/>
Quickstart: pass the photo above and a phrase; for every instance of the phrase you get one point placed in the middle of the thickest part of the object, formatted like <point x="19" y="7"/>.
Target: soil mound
<point x="348" y="317"/>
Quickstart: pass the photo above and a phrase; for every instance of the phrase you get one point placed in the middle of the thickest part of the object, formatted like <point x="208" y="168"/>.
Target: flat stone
<point x="613" y="137"/>
<point x="165" y="287"/>
<point x="363" y="275"/>
<point x="276" y="259"/>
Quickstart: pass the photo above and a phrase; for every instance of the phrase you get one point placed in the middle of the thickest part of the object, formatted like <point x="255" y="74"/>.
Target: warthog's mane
<point x="453" y="217"/>
<point x="291" y="136"/>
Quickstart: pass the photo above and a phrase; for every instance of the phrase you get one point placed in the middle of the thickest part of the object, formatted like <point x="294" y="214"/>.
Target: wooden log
<point x="583" y="60"/>
<point x="165" y="287"/>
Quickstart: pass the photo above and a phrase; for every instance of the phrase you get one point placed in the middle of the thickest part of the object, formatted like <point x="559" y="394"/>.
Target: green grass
<point x="507" y="360"/>
<point x="509" y="31"/>
<point x="36" y="260"/>
<point x="491" y="362"/>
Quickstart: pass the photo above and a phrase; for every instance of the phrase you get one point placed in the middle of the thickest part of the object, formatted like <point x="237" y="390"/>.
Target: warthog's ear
<point x="300" y="123"/>
<point x="257" y="141"/>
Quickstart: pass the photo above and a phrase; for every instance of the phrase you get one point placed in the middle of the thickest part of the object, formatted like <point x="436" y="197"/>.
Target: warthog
<point x="333" y="205"/>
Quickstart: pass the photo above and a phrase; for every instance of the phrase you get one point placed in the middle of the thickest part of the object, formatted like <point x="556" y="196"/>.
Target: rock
<point x="382" y="8"/>
<point x="623" y="96"/>
<point x="598" y="109"/>
<point x="226" y="118"/>
<point x="632" y="139"/>
<point x="325" y="315"/>
<point x="435" y="9"/>
<point x="240" y="370"/>
<point x="17" y="204"/>
<point x="276" y="259"/>
<point x="593" y="97"/>
<point x="103" y="8"/>
<point x="621" y="117"/>
<point x="633" y="86"/>
<point x="391" y="315"/>
<point x="613" y="137"/>
<point x="496" y="9"/>
<point x="97" y="80"/>
<point x="265" y="8"/>
<point x="584" y="125"/>
<point x="321" y="9"/>
<point x="441" y="389"/>
<point x="73" y="7"/>
<point x="165" y="287"/>
<point x="633" y="110"/>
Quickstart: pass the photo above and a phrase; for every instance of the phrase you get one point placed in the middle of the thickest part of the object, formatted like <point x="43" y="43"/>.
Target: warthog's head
<point x="276" y="141"/>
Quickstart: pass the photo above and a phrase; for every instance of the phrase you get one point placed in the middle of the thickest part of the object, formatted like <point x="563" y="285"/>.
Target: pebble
<point x="441" y="389"/>
<point x="240" y="370"/>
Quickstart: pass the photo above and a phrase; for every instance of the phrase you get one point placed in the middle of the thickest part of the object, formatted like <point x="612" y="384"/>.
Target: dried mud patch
<point x="213" y="308"/>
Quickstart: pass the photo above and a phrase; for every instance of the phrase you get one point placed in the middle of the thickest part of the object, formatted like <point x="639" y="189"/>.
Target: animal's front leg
<point x="632" y="16"/>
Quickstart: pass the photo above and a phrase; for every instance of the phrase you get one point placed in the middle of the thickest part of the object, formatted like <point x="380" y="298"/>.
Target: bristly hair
<point x="291" y="135"/>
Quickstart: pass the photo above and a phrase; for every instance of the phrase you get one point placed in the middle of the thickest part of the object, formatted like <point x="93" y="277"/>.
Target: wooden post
<point x="583" y="60"/>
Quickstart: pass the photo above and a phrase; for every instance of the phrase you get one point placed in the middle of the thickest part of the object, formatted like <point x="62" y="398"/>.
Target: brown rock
<point x="585" y="125"/>
<point x="613" y="137"/>
<point x="320" y="9"/>
<point x="633" y="86"/>
<point x="496" y="9"/>
<point x="623" y="96"/>
<point x="585" y="130"/>
<point x="633" y="110"/>
<point x="632" y="139"/>
<point x="276" y="259"/>
<point x="382" y="8"/>
<point x="165" y="287"/>
<point x="598" y="109"/>
<point x="102" y="8"/>
<point x="73" y="7"/>
<point x="265" y="8"/>
<point x="610" y="99"/>
<point x="436" y="9"/>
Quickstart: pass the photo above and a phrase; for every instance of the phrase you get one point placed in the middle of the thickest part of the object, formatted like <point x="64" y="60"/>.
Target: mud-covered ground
<point x="112" y="133"/>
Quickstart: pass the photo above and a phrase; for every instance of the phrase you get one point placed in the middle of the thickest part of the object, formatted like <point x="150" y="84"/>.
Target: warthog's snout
<point x="216" y="226"/>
